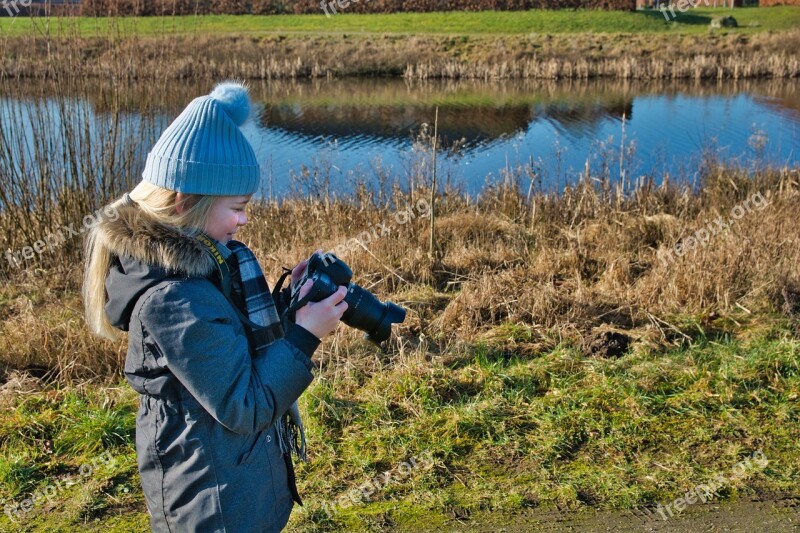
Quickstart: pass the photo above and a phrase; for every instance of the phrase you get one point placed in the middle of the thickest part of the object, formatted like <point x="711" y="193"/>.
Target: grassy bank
<point x="554" y="356"/>
<point x="721" y="56"/>
<point x="488" y="45"/>
<point x="507" y="434"/>
<point x="455" y="23"/>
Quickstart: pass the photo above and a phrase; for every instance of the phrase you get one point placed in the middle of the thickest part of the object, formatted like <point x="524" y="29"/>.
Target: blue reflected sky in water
<point x="670" y="132"/>
<point x="670" y="125"/>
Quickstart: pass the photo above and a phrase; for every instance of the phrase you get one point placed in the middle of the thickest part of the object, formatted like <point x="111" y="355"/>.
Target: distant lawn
<point x="461" y="23"/>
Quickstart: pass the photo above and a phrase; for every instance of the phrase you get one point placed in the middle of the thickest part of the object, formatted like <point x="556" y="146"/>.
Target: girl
<point x="218" y="370"/>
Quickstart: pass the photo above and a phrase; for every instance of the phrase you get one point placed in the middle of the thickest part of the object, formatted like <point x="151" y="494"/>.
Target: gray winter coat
<point x="206" y="437"/>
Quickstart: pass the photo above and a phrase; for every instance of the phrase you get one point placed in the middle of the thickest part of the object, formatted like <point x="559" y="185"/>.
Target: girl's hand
<point x="321" y="318"/>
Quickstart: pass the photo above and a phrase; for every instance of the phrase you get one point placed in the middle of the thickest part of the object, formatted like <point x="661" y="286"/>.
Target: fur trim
<point x="133" y="234"/>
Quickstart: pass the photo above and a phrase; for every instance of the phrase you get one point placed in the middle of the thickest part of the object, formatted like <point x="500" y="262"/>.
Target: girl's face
<point x="226" y="215"/>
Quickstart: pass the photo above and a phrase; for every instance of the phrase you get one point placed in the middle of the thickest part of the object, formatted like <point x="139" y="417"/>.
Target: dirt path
<point x="743" y="516"/>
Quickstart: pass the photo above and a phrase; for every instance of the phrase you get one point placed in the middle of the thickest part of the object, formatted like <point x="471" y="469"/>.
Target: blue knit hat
<point x="203" y="151"/>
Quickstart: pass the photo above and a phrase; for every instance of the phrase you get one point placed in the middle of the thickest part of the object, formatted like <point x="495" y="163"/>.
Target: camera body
<point x="364" y="311"/>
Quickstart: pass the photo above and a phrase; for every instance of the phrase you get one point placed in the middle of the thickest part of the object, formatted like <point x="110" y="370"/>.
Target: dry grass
<point x="577" y="260"/>
<point x="550" y="267"/>
<point x="531" y="56"/>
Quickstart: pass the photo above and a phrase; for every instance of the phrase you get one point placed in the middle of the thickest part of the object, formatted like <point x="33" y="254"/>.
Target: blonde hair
<point x="157" y="204"/>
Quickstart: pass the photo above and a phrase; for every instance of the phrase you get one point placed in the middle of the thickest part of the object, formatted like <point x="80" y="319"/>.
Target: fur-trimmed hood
<point x="135" y="235"/>
<point x="146" y="252"/>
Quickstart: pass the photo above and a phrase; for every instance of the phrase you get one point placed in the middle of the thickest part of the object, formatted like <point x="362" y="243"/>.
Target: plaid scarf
<point x="250" y="288"/>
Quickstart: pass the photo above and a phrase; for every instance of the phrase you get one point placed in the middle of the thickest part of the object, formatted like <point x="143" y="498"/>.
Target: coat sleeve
<point x="192" y="327"/>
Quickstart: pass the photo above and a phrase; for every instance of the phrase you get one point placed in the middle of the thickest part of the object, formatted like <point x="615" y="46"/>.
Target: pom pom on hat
<point x="233" y="98"/>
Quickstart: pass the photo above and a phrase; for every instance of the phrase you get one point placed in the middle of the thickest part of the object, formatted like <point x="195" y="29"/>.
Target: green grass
<point x="472" y="96"/>
<point x="459" y="23"/>
<point x="510" y="432"/>
<point x="71" y="453"/>
<point x="505" y="432"/>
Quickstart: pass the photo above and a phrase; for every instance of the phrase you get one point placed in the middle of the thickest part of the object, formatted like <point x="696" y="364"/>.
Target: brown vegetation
<point x="519" y="267"/>
<point x="769" y="3"/>
<point x="420" y="57"/>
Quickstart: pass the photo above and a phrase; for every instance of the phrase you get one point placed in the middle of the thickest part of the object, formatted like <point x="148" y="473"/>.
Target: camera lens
<point x="367" y="313"/>
<point x="392" y="314"/>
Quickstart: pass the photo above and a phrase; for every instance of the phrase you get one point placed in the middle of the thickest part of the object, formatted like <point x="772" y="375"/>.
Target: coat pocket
<point x="254" y="449"/>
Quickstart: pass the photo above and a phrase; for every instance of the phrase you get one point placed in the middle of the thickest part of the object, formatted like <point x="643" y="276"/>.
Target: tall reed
<point x="120" y="52"/>
<point x="62" y="156"/>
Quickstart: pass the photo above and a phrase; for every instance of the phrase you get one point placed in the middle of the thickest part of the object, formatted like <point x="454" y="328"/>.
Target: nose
<point x="242" y="219"/>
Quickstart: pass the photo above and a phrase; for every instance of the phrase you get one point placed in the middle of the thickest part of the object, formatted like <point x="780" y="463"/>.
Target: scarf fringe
<point x="291" y="438"/>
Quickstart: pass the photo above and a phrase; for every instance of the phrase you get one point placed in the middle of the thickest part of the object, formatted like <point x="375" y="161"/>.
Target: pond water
<point x="368" y="126"/>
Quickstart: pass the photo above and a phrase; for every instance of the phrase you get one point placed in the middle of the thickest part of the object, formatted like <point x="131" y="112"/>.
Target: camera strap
<point x="292" y="303"/>
<point x="225" y="277"/>
<point x="299" y="302"/>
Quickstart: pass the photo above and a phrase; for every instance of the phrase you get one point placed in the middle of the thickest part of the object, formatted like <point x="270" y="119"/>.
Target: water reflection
<point x="559" y="126"/>
<point x="479" y="113"/>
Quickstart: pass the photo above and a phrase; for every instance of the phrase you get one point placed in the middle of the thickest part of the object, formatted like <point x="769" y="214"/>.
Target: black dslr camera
<point x="364" y="311"/>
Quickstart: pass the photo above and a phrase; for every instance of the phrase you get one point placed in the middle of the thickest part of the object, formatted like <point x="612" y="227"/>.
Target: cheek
<point x="228" y="219"/>
<point x="222" y="221"/>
